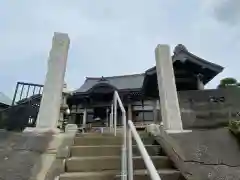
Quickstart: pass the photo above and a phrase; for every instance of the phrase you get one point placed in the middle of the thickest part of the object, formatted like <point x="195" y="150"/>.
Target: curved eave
<point x="201" y="62"/>
<point x="208" y="71"/>
<point x="89" y="91"/>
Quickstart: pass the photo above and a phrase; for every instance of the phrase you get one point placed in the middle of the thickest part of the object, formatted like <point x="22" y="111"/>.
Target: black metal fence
<point x="26" y="90"/>
<point x="24" y="110"/>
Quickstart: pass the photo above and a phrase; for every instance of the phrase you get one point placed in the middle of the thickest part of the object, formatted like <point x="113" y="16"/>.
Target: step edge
<point x="108" y="146"/>
<point x="113" y="157"/>
<point x="110" y="172"/>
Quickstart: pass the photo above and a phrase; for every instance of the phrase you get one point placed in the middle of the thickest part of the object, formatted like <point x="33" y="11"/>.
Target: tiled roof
<point x="4" y="99"/>
<point x="181" y="52"/>
<point x="133" y="81"/>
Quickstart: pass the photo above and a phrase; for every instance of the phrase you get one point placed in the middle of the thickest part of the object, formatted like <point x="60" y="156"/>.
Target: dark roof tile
<point x="133" y="81"/>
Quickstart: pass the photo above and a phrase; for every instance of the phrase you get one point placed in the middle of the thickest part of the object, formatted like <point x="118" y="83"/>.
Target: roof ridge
<point x="111" y="77"/>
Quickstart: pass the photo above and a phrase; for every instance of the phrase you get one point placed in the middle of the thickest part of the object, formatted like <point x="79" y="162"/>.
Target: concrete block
<point x="71" y="128"/>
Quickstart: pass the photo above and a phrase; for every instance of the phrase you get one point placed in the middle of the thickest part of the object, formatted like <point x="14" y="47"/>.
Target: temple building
<point x="138" y="92"/>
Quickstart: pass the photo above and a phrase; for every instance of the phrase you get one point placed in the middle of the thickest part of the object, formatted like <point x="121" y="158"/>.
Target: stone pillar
<point x="167" y="89"/>
<point x="129" y="117"/>
<point x="52" y="92"/>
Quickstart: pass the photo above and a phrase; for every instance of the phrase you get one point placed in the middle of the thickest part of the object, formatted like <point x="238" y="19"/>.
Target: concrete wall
<point x="199" y="112"/>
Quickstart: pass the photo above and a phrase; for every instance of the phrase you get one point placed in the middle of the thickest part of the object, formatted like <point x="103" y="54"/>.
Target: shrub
<point x="234" y="127"/>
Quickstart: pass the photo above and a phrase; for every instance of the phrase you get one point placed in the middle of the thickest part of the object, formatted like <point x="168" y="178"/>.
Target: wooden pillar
<point x="84" y="117"/>
<point x="129" y="111"/>
<point x="155" y="112"/>
<point x="107" y="119"/>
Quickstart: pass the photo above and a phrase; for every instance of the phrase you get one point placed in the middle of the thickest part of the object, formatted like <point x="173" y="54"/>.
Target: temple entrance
<point x="100" y="114"/>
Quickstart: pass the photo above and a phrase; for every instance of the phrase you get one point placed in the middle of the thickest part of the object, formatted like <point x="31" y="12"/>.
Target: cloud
<point x="227" y="11"/>
<point x="107" y="37"/>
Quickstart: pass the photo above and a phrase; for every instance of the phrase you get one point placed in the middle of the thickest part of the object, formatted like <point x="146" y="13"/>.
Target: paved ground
<point x="19" y="152"/>
<point x="207" y="154"/>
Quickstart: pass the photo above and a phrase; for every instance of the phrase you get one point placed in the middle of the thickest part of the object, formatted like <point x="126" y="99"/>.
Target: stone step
<point x="96" y="134"/>
<point x="79" y="151"/>
<point x="101" y="140"/>
<point x="97" y="140"/>
<point x="108" y="134"/>
<point x="165" y="174"/>
<point x="79" y="164"/>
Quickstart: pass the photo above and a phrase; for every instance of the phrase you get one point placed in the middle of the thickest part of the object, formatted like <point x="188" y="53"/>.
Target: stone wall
<point x="199" y="112"/>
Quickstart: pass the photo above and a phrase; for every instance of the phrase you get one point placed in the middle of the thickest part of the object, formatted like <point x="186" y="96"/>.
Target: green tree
<point x="229" y="82"/>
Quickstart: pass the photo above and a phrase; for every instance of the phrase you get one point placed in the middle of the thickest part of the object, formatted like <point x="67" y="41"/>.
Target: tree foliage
<point x="229" y="82"/>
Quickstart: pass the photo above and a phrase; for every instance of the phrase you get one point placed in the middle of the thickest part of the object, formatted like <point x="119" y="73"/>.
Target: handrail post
<point x="124" y="159"/>
<point x="115" y="113"/>
<point x="111" y="119"/>
<point x="130" y="156"/>
<point x="124" y="146"/>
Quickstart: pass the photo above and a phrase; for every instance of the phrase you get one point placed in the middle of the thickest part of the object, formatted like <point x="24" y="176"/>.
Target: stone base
<point x="71" y="127"/>
<point x="41" y="130"/>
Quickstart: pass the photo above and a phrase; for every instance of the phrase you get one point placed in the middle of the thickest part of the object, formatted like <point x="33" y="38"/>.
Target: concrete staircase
<point x="98" y="157"/>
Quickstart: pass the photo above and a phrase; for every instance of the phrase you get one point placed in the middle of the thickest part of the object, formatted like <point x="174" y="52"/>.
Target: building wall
<point x="196" y="107"/>
<point x="140" y="112"/>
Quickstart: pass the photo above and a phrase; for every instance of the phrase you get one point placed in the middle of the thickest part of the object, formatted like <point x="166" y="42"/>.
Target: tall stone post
<point x="49" y="110"/>
<point x="167" y="89"/>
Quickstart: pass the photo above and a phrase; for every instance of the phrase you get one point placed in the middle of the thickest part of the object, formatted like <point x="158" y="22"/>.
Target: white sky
<point x="113" y="37"/>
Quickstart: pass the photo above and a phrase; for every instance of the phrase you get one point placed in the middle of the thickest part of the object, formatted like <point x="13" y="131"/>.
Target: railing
<point x="130" y="131"/>
<point x="117" y="101"/>
<point x="146" y="158"/>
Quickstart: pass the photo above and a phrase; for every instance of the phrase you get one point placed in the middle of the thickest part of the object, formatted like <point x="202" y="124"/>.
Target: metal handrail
<point x="146" y="158"/>
<point x="118" y="101"/>
<point x="128" y="130"/>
